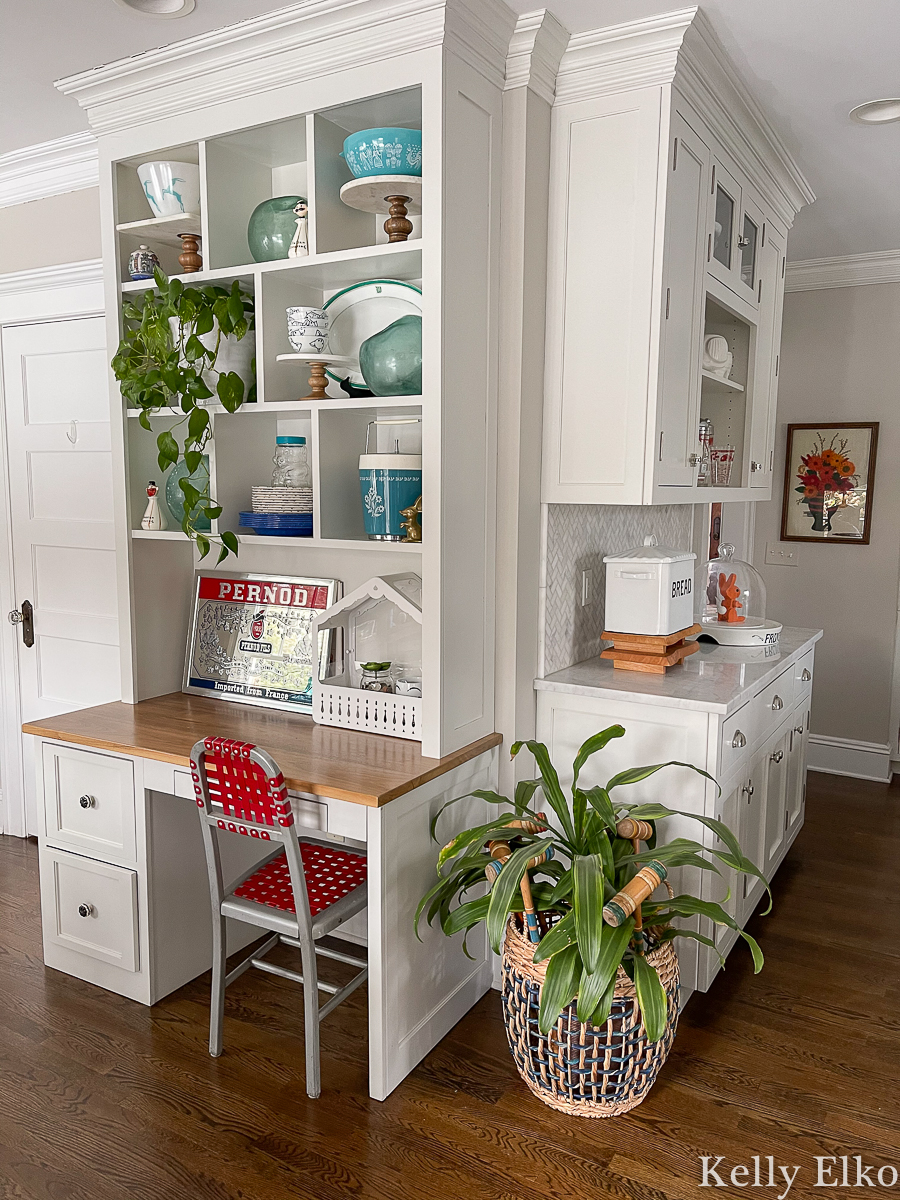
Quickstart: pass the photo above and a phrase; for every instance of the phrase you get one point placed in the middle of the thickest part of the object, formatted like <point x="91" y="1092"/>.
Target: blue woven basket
<point x="579" y="1068"/>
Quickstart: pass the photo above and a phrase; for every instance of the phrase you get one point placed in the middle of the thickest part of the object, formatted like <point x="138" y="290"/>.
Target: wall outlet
<point x="780" y="554"/>
<point x="587" y="588"/>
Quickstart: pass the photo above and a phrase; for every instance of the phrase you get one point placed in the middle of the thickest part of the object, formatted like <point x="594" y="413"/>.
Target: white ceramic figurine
<point x="299" y="247"/>
<point x="153" y="517"/>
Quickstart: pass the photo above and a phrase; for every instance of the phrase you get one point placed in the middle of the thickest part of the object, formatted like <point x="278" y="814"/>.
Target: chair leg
<point x="217" y="989"/>
<point x="311" y="1019"/>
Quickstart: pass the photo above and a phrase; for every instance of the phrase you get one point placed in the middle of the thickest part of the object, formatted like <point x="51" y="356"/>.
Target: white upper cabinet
<point x="670" y="202"/>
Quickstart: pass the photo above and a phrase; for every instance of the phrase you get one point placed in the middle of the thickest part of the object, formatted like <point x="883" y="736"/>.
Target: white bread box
<point x="649" y="589"/>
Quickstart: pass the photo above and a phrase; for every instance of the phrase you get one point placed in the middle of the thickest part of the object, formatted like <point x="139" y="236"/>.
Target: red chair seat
<point x="330" y="874"/>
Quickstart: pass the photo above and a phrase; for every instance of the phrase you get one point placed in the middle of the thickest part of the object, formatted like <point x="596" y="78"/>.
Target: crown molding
<point x="300" y="42"/>
<point x="851" y="270"/>
<point x="40" y="279"/>
<point x="535" y="50"/>
<point x="66" y="164"/>
<point x="622" y="57"/>
<point x="708" y="80"/>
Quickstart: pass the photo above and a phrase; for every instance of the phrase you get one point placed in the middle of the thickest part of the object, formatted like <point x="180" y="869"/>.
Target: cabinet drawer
<point x="89" y="802"/>
<point x="90" y="907"/>
<point x="773" y="702"/>
<point x="803" y="676"/>
<point x="737" y="736"/>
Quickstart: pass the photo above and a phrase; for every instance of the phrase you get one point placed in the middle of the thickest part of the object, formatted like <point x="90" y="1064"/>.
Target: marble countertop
<point x="716" y="679"/>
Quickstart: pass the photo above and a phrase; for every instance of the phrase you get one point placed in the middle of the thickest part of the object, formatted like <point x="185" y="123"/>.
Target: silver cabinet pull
<point x="87" y="801"/>
<point x="748" y="789"/>
<point x="85" y="910"/>
<point x="777" y="704"/>
<point x="806" y="676"/>
<point x="777" y="756"/>
<point x="694" y="460"/>
<point x="738" y="741"/>
<point x="756" y="466"/>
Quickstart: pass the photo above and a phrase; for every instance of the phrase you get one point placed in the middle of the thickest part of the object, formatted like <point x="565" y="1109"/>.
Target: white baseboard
<point x="843" y="756"/>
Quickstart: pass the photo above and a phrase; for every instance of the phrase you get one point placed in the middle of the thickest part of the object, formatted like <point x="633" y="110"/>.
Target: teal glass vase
<point x="175" y="496"/>
<point x="391" y="360"/>
<point x="272" y="228"/>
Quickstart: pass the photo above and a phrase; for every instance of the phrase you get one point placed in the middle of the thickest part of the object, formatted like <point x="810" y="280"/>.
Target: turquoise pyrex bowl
<point x="383" y="151"/>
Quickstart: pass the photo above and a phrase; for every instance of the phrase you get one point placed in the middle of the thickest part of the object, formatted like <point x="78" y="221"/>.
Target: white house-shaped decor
<point x="381" y="621"/>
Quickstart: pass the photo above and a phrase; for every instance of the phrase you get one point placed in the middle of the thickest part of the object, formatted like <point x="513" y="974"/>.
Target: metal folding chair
<point x="303" y="889"/>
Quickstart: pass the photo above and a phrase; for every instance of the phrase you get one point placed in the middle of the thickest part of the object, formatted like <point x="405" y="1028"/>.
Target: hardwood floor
<point x="102" y="1099"/>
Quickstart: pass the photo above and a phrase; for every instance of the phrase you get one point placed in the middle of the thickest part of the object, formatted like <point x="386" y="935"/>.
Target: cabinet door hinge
<point x="709" y="248"/>
<point x="675" y="156"/>
<point x="771" y="460"/>
<point x="759" y="293"/>
<point x="661" y="436"/>
<point x="777" y="362"/>
<point x="763" y="241"/>
<point x="712" y="190"/>
<point x="668" y="299"/>
<point x="783" y="261"/>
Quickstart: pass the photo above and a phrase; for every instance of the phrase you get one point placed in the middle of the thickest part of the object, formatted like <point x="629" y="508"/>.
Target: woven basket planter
<point x="577" y="1068"/>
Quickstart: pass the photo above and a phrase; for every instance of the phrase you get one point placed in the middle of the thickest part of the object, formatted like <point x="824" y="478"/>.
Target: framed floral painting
<point x="829" y="476"/>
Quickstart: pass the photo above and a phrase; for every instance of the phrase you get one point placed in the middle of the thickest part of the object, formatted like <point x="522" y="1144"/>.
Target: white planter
<point x="234" y="355"/>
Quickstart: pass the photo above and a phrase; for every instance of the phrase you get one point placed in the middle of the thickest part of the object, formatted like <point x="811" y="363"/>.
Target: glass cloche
<point x="734" y="608"/>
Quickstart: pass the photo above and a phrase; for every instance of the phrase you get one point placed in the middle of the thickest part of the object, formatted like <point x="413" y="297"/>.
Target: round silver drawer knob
<point x="806" y="676"/>
<point x="777" y="704"/>
<point x="87" y="801"/>
<point x="85" y="910"/>
<point x="738" y="741"/>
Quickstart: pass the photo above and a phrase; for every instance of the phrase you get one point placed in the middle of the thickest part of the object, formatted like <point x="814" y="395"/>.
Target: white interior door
<point x="59" y="469"/>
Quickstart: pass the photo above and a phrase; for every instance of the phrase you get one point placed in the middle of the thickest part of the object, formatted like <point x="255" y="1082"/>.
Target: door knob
<point x="24" y="616"/>
<point x="87" y="801"/>
<point x="777" y="756"/>
<point x="777" y="703"/>
<point x="85" y="910"/>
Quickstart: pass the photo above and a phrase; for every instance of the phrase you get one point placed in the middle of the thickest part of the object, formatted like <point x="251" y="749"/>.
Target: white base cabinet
<point x="745" y="724"/>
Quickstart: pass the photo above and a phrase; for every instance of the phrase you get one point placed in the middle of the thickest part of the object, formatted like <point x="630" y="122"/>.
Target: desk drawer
<point x="773" y="702"/>
<point x="89" y="802"/>
<point x="90" y="907"/>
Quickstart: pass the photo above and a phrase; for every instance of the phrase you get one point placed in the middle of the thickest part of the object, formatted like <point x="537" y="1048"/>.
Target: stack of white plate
<point x="281" y="499"/>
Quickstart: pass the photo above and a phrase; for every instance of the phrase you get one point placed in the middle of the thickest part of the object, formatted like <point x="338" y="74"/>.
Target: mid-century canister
<point x="649" y="589"/>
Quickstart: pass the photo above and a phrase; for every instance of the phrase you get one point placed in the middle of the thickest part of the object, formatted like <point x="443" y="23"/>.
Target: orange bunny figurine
<point x="728" y="610"/>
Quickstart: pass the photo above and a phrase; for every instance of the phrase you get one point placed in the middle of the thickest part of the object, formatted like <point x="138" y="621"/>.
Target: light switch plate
<point x="781" y="554"/>
<point x="587" y="588"/>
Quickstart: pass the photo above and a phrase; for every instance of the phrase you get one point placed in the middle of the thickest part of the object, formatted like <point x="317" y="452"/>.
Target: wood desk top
<point x="365" y="768"/>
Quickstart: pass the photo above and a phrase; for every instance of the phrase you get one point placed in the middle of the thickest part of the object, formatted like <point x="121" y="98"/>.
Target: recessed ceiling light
<point x="877" y="112"/>
<point x="159" y="8"/>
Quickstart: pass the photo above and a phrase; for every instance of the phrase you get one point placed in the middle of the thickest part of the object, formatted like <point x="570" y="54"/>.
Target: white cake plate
<point x="742" y="633"/>
<point x="398" y="195"/>
<point x="370" y="193"/>
<point x="317" y="363"/>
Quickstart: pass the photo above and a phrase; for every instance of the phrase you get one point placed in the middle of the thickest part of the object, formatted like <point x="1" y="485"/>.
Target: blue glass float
<point x="175" y="496"/>
<point x="391" y="360"/>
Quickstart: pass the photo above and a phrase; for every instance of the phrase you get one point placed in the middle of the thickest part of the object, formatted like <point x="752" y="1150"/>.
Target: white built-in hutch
<point x="664" y="198"/>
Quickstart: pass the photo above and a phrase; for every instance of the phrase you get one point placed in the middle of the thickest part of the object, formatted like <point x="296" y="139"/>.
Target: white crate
<point x="374" y="712"/>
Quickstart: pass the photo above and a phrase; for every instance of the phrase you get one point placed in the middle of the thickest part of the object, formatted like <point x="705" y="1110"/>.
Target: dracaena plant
<point x="161" y="363"/>
<point x="590" y="864"/>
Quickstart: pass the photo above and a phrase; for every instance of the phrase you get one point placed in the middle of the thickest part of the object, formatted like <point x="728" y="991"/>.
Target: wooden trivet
<point x="653" y="654"/>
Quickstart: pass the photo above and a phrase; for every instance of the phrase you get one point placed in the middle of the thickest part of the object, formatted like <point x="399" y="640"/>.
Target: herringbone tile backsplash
<point x="578" y="536"/>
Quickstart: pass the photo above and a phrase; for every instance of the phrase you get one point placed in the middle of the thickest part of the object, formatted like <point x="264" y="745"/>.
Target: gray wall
<point x="59" y="229"/>
<point x="840" y="360"/>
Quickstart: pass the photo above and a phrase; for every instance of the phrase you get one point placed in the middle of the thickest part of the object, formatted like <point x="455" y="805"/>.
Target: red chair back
<point x="246" y="781"/>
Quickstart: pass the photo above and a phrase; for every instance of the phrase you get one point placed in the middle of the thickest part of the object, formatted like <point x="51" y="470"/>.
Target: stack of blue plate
<point x="279" y="524"/>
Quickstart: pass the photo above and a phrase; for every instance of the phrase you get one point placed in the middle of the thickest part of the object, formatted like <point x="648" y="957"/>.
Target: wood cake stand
<point x="398" y="195"/>
<point x="649" y="652"/>
<point x="317" y="364"/>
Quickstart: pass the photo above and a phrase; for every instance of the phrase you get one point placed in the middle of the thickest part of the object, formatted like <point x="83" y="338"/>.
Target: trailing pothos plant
<point x="590" y="863"/>
<point x="161" y="363"/>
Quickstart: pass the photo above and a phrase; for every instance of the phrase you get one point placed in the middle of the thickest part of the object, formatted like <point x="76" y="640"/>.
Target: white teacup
<point x="310" y="340"/>
<point x="303" y="317"/>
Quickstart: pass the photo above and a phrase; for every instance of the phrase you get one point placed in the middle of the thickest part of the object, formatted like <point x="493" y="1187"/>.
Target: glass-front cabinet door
<point x="735" y="235"/>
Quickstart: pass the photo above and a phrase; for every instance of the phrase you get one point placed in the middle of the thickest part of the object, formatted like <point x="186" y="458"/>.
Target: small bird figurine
<point x="153" y="517"/>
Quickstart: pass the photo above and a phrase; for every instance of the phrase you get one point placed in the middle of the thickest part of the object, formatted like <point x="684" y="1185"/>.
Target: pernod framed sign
<point x="253" y="638"/>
